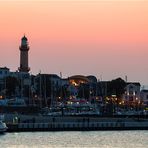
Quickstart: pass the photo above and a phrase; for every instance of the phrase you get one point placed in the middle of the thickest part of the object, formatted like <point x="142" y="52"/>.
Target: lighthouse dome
<point x="24" y="38"/>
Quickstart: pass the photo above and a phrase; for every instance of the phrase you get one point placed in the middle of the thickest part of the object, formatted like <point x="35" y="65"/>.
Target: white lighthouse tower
<point x="24" y="48"/>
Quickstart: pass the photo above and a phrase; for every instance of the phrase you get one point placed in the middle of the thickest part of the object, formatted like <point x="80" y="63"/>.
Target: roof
<point x="144" y="90"/>
<point x="51" y="75"/>
<point x="79" y="77"/>
<point x="134" y="83"/>
<point x="92" y="78"/>
<point x="24" y="38"/>
<point x="4" y="68"/>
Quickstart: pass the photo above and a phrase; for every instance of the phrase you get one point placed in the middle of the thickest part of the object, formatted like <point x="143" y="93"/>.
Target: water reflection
<point x="103" y="139"/>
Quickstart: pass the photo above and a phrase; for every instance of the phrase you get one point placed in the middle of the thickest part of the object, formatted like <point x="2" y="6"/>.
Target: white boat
<point x="3" y="127"/>
<point x="14" y="102"/>
<point x="54" y="114"/>
<point x="51" y="112"/>
<point x="85" y="108"/>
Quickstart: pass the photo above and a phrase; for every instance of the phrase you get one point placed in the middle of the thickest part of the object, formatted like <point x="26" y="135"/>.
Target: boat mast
<point x="40" y="91"/>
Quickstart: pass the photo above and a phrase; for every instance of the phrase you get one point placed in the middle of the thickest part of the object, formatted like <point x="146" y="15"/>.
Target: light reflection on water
<point x="101" y="139"/>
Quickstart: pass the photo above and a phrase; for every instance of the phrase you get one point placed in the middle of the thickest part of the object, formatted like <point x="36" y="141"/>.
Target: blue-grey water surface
<point x="100" y="139"/>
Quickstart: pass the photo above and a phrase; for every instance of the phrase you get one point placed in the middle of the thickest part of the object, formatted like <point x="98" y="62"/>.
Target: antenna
<point x="126" y="78"/>
<point x="101" y="77"/>
<point x="61" y="74"/>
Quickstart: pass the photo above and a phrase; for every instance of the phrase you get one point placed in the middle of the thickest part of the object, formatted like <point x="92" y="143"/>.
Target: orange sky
<point x="108" y="38"/>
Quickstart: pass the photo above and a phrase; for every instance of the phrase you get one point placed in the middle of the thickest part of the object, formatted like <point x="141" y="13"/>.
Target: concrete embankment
<point x="19" y="123"/>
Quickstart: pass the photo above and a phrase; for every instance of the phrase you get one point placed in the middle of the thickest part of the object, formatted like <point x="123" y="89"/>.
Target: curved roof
<point x="92" y="78"/>
<point x="79" y="77"/>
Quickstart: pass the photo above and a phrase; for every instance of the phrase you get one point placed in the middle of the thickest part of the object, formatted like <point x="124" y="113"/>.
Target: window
<point x="131" y="87"/>
<point x="131" y="92"/>
<point x="131" y="98"/>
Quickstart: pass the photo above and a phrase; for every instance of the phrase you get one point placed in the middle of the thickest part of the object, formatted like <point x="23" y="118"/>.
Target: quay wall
<point x="43" y="123"/>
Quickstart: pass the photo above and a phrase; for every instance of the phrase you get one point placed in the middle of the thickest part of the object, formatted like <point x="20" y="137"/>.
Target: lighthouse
<point x="24" y="48"/>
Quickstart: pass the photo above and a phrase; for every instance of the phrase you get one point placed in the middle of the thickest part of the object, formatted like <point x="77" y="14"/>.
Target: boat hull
<point x="3" y="127"/>
<point x="3" y="130"/>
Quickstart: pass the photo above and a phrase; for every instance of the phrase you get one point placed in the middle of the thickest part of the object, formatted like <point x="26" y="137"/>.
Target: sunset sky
<point x="105" y="38"/>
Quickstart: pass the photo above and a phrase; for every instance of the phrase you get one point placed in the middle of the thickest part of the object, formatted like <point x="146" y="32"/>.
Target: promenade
<point x="72" y="123"/>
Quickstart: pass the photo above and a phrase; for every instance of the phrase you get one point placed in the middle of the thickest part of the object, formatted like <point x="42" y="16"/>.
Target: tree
<point x="116" y="87"/>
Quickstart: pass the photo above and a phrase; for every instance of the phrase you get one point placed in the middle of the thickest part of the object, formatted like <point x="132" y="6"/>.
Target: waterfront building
<point x="102" y="88"/>
<point x="24" y="83"/>
<point x="14" y="85"/>
<point x="24" y="48"/>
<point x="64" y="82"/>
<point x="92" y="79"/>
<point x="79" y="86"/>
<point x="47" y="88"/>
<point x="77" y="80"/>
<point x="144" y="97"/>
<point x="132" y="93"/>
<point x="4" y="72"/>
<point x="85" y="87"/>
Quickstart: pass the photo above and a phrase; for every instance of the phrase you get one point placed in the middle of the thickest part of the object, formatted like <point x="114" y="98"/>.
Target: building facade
<point x="132" y="94"/>
<point x="144" y="97"/>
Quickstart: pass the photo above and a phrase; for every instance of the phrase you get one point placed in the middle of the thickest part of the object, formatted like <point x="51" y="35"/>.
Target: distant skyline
<point x="105" y="38"/>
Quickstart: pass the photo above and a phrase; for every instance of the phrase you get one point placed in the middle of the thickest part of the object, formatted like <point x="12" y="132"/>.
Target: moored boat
<point x="3" y="127"/>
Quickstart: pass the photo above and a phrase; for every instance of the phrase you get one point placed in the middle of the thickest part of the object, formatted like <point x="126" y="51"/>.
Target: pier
<point x="35" y="123"/>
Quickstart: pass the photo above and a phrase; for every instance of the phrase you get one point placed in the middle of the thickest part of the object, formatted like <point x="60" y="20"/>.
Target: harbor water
<point x="100" y="139"/>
